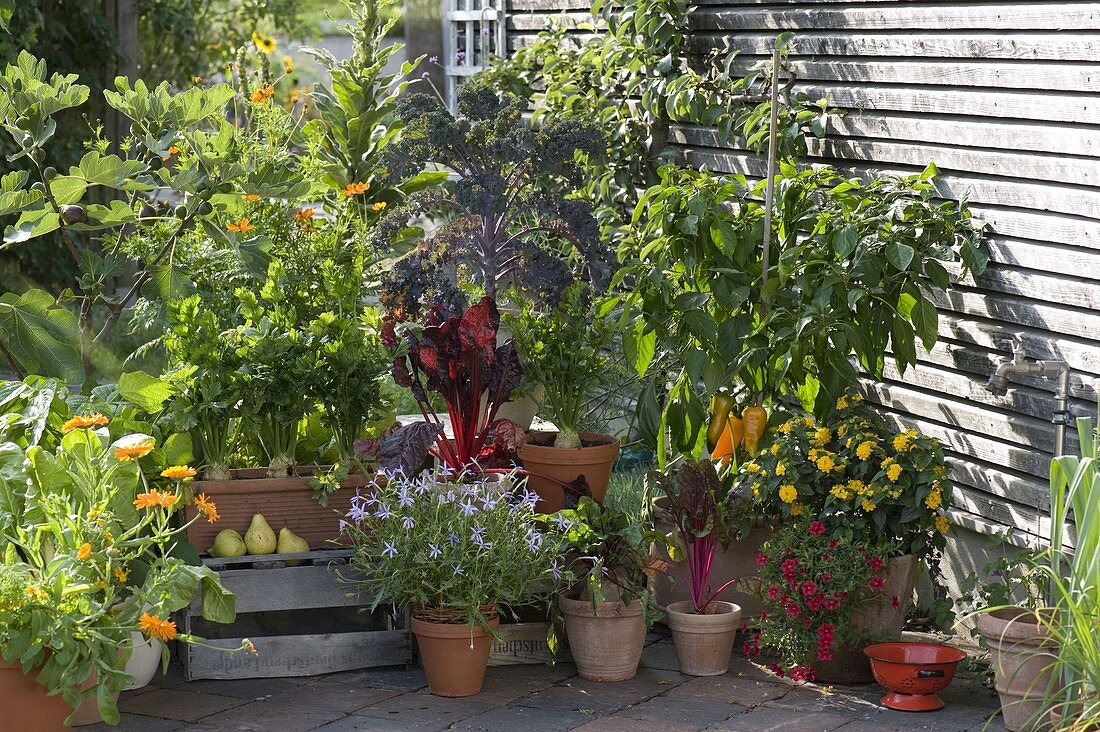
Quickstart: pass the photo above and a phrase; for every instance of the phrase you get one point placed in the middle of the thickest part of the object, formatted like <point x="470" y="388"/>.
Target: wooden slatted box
<point x="301" y="619"/>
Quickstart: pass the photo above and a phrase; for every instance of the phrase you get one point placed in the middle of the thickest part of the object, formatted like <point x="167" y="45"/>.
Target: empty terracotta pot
<point x="607" y="641"/>
<point x="566" y="464"/>
<point x="27" y="707"/>
<point x="1022" y="654"/>
<point x="454" y="655"/>
<point x="704" y="641"/>
<point x="913" y="673"/>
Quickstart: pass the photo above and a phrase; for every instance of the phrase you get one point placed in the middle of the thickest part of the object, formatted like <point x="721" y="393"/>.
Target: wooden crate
<point x="301" y="619"/>
<point x="525" y="643"/>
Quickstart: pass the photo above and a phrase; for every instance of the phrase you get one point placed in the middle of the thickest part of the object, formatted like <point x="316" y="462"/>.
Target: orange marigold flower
<point x="83" y="421"/>
<point x="179" y="472"/>
<point x="241" y="227"/>
<point x="379" y="206"/>
<point x="84" y="552"/>
<point x="251" y="197"/>
<point x="156" y="499"/>
<point x="262" y="94"/>
<point x="154" y="627"/>
<point x="206" y="507"/>
<point x="134" y="451"/>
<point x="355" y="189"/>
<point x="303" y="215"/>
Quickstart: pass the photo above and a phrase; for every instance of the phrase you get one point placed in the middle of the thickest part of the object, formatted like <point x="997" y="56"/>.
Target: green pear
<point x="227" y="543"/>
<point x="291" y="543"/>
<point x="259" y="539"/>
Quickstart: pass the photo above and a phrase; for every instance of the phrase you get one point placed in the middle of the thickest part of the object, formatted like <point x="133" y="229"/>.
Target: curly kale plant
<point x="509" y="218"/>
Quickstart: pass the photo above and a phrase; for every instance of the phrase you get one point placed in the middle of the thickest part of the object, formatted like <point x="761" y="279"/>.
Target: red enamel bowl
<point x="913" y="673"/>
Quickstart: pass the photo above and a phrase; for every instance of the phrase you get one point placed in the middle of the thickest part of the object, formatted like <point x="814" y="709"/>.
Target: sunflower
<point x="154" y="627"/>
<point x="84" y="421"/>
<point x="156" y="499"/>
<point x="206" y="507"/>
<point x="179" y="472"/>
<point x="134" y="450"/>
<point x="263" y="42"/>
<point x="355" y="189"/>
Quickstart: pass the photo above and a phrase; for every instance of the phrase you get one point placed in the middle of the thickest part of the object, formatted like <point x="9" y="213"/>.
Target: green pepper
<point x="720" y="407"/>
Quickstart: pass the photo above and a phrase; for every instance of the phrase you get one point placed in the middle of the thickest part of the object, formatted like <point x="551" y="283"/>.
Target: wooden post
<point x="123" y="16"/>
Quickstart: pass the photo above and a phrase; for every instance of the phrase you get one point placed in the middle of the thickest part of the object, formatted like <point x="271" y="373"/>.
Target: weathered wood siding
<point x="1005" y="98"/>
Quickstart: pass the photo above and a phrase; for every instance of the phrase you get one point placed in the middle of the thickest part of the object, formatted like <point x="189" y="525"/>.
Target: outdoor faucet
<point x="1018" y="364"/>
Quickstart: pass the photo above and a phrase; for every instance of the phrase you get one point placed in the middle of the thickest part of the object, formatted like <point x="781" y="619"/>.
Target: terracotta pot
<point x="566" y="464"/>
<point x="607" y="642"/>
<point x="704" y="642"/>
<point x="282" y="501"/>
<point x="736" y="561"/>
<point x="454" y="655"/>
<point x="27" y="706"/>
<point x="878" y="621"/>
<point x="1022" y="654"/>
<point x="88" y="711"/>
<point x="1078" y="725"/>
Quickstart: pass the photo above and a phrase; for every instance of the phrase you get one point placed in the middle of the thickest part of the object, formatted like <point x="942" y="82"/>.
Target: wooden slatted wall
<point x="1005" y="98"/>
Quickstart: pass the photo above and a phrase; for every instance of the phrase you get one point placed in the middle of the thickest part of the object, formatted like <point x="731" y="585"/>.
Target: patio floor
<point x="542" y="699"/>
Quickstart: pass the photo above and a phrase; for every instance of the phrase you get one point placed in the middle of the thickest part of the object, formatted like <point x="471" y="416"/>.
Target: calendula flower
<point x="863" y="451"/>
<point x="288" y="65"/>
<point x="262" y="94"/>
<point x="943" y="525"/>
<point x="179" y="472"/>
<point x="264" y="42"/>
<point x="893" y="472"/>
<point x="154" y="627"/>
<point x="206" y="507"/>
<point x="241" y="227"/>
<point x="825" y="463"/>
<point x="355" y="189"/>
<point x="84" y="552"/>
<point x="251" y="197"/>
<point x="379" y="206"/>
<point x="135" y="451"/>
<point x="84" y="421"/>
<point x="156" y="499"/>
<point x="788" y="493"/>
<point x="121" y="575"/>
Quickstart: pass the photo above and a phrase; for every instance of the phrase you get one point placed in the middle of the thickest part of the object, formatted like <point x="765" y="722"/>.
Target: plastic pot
<point x="704" y="641"/>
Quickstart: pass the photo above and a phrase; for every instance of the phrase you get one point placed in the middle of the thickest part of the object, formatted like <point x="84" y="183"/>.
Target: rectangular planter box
<point x="525" y="643"/>
<point x="282" y="501"/>
<point x="301" y="619"/>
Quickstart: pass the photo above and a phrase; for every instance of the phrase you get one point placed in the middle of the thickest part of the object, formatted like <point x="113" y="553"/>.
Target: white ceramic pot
<point x="143" y="662"/>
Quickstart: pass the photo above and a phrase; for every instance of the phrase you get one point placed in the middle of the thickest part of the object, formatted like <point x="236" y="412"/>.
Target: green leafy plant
<point x="434" y="542"/>
<point x="564" y="349"/>
<point x="86" y="544"/>
<point x="1009" y="579"/>
<point x="864" y="481"/>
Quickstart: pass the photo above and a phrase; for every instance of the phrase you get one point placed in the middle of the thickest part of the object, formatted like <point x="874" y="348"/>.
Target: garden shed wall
<point x="1005" y="98"/>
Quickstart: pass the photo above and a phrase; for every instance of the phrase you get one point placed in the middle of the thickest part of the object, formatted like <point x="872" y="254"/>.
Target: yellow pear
<point x="228" y="543"/>
<point x="259" y="539"/>
<point x="291" y="543"/>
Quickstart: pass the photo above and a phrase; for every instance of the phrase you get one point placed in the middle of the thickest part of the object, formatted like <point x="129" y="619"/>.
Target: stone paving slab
<point x="542" y="699"/>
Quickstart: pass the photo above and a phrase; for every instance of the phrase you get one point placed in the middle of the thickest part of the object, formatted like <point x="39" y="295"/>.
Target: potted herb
<point x="816" y="587"/>
<point x="564" y="351"/>
<point x="703" y="627"/>
<point x="456" y="550"/>
<point x="87" y="560"/>
<point x="608" y="610"/>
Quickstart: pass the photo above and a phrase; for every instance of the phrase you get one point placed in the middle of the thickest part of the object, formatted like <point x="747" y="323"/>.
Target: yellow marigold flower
<point x="379" y="206"/>
<point x="780" y="469"/>
<point x="842" y="403"/>
<point x="814" y="452"/>
<point x="797" y="509"/>
<point x="787" y="493"/>
<point x="303" y="215"/>
<point x="886" y="462"/>
<point x="154" y="627"/>
<point x="934" y="500"/>
<point x="943" y="525"/>
<point x="84" y="552"/>
<point x="121" y="574"/>
<point x="775" y="448"/>
<point x="355" y="189"/>
<point x="901" y="442"/>
<point x="252" y="197"/>
<point x="786" y="427"/>
<point x="864" y="450"/>
<point x="156" y="499"/>
<point x="179" y="472"/>
<point x="264" y="42"/>
<point x="206" y="507"/>
<point x="839" y="491"/>
<point x="825" y="463"/>
<point x="84" y="421"/>
<point x="135" y="451"/>
<point x="288" y="65"/>
<point x="241" y="227"/>
<point x="752" y="467"/>
<point x="822" y="435"/>
<point x="262" y="94"/>
<point x="893" y="472"/>
<point x="867" y="506"/>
